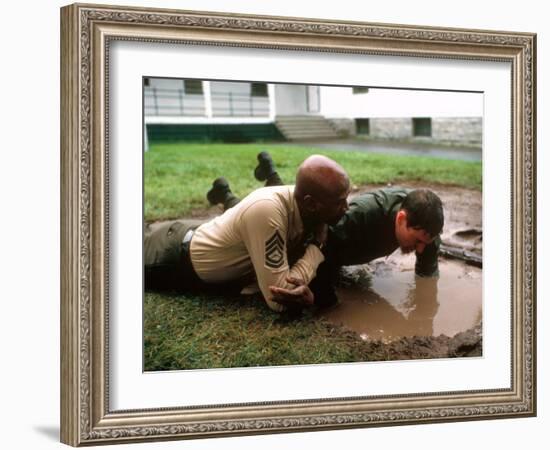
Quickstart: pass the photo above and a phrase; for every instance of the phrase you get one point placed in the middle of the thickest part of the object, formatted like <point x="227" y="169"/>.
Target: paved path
<point x="396" y="148"/>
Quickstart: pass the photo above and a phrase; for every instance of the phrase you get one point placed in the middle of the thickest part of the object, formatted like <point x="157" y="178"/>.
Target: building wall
<point x="234" y="99"/>
<point x="337" y="102"/>
<point x="290" y="99"/>
<point x="343" y="127"/>
<point x="228" y="98"/>
<point x="396" y="128"/>
<point x="166" y="83"/>
<point x="166" y="97"/>
<point x="453" y="130"/>
<point x="468" y="130"/>
<point x="456" y="116"/>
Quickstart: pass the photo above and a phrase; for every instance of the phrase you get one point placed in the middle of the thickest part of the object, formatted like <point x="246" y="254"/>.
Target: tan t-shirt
<point x="253" y="237"/>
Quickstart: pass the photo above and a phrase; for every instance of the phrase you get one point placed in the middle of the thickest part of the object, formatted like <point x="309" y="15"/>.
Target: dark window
<point x="146" y="82"/>
<point x="362" y="126"/>
<point x="258" y="90"/>
<point x="192" y="86"/>
<point x="360" y="89"/>
<point x="422" y="126"/>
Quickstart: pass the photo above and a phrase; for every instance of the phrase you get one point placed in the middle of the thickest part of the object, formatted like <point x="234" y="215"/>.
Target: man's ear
<point x="401" y="217"/>
<point x="309" y="203"/>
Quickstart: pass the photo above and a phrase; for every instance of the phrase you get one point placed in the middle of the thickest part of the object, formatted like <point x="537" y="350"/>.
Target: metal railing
<point x="172" y="102"/>
<point x="175" y="102"/>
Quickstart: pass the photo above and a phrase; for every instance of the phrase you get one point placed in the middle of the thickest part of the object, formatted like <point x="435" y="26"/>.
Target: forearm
<point x="306" y="267"/>
<point x="264" y="231"/>
<point x="304" y="270"/>
<point x="427" y="262"/>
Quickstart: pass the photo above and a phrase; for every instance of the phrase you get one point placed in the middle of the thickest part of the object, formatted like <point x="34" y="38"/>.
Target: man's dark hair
<point x="424" y="211"/>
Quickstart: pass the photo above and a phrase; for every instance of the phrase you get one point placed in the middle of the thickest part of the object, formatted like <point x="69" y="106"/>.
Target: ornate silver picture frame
<point x="87" y="32"/>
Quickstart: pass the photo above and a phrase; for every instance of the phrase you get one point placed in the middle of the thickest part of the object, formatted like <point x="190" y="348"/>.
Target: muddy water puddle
<point x="386" y="301"/>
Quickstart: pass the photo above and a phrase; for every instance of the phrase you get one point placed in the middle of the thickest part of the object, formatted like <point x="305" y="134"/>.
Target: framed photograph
<point x="172" y="117"/>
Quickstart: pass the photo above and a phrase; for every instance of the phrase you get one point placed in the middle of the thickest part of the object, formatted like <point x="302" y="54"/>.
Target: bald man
<point x="376" y="224"/>
<point x="254" y="238"/>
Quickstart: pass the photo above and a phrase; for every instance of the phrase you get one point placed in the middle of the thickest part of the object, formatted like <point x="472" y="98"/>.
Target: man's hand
<point x="300" y="295"/>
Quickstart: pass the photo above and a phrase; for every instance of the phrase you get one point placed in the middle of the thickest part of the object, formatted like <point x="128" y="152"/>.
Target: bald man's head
<point x="322" y="188"/>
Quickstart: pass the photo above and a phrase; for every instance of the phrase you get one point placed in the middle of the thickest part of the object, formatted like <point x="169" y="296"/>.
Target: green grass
<point x="197" y="332"/>
<point x="209" y="331"/>
<point x="177" y="176"/>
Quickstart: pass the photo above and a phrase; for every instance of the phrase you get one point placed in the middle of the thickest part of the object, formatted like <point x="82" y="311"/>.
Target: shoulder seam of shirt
<point x="270" y="200"/>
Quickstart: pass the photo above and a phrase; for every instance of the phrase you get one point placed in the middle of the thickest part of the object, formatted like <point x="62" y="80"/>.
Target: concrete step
<point x="297" y="132"/>
<point x="305" y="127"/>
<point x="304" y="122"/>
<point x="294" y="118"/>
<point x="307" y="130"/>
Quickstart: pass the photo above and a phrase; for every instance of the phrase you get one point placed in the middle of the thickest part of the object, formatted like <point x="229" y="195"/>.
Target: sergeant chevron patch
<point x="274" y="251"/>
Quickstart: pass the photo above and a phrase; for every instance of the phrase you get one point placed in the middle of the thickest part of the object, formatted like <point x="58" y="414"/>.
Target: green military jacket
<point x="367" y="232"/>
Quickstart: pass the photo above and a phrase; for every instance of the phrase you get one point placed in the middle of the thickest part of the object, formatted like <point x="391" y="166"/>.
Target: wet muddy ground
<point x="386" y="301"/>
<point x="414" y="317"/>
<point x="408" y="317"/>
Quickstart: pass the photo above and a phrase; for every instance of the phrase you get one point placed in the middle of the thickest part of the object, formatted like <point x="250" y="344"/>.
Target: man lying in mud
<point x="274" y="235"/>
<point x="376" y="224"/>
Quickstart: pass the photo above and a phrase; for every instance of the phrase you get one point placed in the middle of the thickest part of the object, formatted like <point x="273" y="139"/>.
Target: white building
<point x="176" y="109"/>
<point x="405" y="114"/>
<point x="200" y="110"/>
